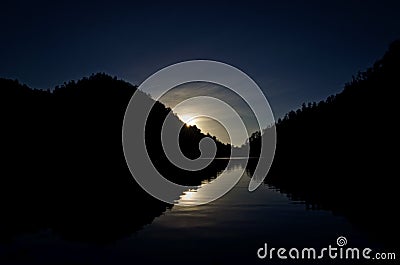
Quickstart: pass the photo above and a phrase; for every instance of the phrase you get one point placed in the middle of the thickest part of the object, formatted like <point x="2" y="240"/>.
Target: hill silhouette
<point x="341" y="153"/>
<point x="63" y="165"/>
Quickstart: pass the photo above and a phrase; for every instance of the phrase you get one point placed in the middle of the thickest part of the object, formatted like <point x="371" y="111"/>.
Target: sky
<point x="211" y="116"/>
<point x="296" y="52"/>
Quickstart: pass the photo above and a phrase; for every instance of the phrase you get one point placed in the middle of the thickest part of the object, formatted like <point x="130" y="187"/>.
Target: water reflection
<point x="230" y="229"/>
<point x="226" y="231"/>
<point x="210" y="189"/>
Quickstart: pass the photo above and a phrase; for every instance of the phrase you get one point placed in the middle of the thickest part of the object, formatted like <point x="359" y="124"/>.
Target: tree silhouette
<point x="63" y="165"/>
<point x="340" y="153"/>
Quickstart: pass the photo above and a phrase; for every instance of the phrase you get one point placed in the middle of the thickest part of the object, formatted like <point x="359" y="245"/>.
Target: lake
<point x="230" y="229"/>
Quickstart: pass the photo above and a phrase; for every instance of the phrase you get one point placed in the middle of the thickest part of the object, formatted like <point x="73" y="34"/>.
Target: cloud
<point x="190" y="90"/>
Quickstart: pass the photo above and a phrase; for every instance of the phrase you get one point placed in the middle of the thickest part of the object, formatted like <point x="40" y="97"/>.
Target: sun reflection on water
<point x="207" y="190"/>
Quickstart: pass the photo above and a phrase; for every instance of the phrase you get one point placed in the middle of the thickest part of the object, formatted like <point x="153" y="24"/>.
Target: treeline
<point x="63" y="165"/>
<point x="340" y="153"/>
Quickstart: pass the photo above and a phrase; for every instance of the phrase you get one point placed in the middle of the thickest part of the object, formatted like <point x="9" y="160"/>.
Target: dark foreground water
<point x="227" y="231"/>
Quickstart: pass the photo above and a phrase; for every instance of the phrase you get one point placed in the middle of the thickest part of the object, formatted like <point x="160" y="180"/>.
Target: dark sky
<point x="295" y="51"/>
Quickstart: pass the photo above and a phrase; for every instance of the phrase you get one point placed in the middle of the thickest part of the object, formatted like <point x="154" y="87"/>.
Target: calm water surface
<point x="228" y="230"/>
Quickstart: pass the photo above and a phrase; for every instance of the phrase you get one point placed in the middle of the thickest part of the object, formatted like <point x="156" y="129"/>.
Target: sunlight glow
<point x="192" y="122"/>
<point x="189" y="120"/>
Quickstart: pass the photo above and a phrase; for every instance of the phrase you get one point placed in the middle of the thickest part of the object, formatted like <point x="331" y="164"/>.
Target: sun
<point x="189" y="120"/>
